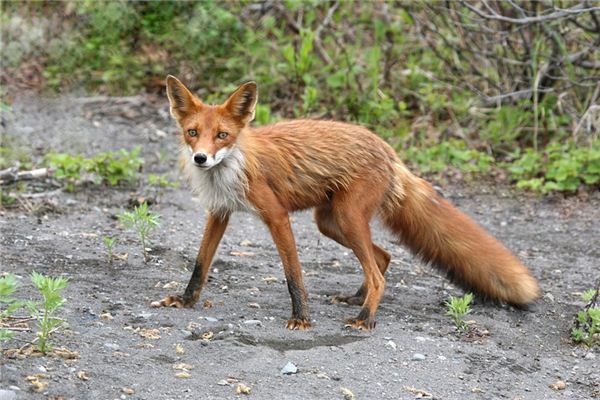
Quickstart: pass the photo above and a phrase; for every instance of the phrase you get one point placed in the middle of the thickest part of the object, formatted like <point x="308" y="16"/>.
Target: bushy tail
<point x="445" y="237"/>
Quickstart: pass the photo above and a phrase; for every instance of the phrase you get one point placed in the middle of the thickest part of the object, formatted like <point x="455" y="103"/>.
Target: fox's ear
<point x="242" y="103"/>
<point x="181" y="99"/>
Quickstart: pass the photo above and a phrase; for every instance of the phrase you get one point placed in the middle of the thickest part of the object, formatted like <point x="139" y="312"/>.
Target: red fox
<point x="348" y="175"/>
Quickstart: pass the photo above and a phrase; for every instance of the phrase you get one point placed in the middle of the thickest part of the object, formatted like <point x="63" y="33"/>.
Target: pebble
<point x="418" y="357"/>
<point x="7" y="395"/>
<point x="549" y="297"/>
<point x="289" y="369"/>
<point x="254" y="322"/>
<point x="211" y="319"/>
<point x="391" y="345"/>
<point x="111" y="346"/>
<point x="590" y="356"/>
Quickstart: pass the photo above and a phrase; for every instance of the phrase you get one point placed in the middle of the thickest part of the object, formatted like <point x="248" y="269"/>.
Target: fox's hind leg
<point x="352" y="210"/>
<point x="328" y="227"/>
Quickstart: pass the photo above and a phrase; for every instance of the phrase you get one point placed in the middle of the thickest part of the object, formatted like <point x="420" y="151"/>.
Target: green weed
<point x="558" y="167"/>
<point x="112" y="168"/>
<point x="587" y="325"/>
<point x="142" y="221"/>
<point x="47" y="322"/>
<point x="109" y="243"/>
<point x="453" y="152"/>
<point x="457" y="308"/>
<point x="8" y="287"/>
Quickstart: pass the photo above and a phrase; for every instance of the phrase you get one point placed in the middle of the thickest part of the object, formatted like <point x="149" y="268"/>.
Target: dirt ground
<point x="414" y="351"/>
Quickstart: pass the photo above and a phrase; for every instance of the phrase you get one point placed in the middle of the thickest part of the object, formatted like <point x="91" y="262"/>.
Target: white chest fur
<point x="221" y="189"/>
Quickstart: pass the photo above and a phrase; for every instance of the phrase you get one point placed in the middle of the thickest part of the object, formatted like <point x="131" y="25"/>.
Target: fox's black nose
<point x="200" y="158"/>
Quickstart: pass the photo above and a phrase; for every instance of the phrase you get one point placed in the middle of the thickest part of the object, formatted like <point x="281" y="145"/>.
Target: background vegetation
<point x="509" y="89"/>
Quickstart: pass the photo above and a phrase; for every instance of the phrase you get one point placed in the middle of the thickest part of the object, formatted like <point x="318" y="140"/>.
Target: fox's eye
<point x="222" y="135"/>
<point x="192" y="132"/>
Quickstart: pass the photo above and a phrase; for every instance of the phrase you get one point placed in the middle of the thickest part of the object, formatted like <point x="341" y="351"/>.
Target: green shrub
<point x="558" y="167"/>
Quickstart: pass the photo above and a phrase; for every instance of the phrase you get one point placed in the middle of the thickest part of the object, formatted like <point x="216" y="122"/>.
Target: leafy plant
<point x="587" y="325"/>
<point x="50" y="289"/>
<point x="67" y="168"/>
<point x="109" y="243"/>
<point x="454" y="152"/>
<point x="142" y="221"/>
<point x="117" y="167"/>
<point x="559" y="167"/>
<point x="108" y="167"/>
<point x="457" y="308"/>
<point x="8" y="286"/>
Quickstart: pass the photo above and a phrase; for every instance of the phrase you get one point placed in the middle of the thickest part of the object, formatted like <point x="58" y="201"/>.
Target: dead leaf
<point x="208" y="335"/>
<point x="347" y="393"/>
<point x="183" y="367"/>
<point x="246" y="243"/>
<point x="242" y="253"/>
<point x="558" y="385"/>
<point x="242" y="389"/>
<point x="171" y="285"/>
<point x="207" y="304"/>
<point x="179" y="349"/>
<point x="65" y="353"/>
<point x="270" y="279"/>
<point x="183" y="375"/>
<point x="253" y="305"/>
<point x="83" y="375"/>
<point x="37" y="383"/>
<point x="419" y="393"/>
<point x="151" y="334"/>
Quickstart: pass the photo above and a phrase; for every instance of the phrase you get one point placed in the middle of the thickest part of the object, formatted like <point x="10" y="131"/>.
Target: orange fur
<point x="348" y="174"/>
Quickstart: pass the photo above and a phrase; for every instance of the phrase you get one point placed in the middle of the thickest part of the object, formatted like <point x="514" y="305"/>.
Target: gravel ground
<point x="235" y="337"/>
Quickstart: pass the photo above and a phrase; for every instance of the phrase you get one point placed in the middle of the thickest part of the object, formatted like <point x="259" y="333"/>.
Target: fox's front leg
<point x="274" y="214"/>
<point x="281" y="231"/>
<point x="215" y="228"/>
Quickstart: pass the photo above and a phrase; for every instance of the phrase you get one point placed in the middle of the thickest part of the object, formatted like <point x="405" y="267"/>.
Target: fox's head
<point x="210" y="131"/>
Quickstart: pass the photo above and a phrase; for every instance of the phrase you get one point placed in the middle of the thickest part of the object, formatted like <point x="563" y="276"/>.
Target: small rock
<point x="558" y="385"/>
<point x="160" y="133"/>
<point x="418" y="357"/>
<point x="549" y="297"/>
<point x="590" y="356"/>
<point x="107" y="316"/>
<point x="111" y="346"/>
<point x="253" y="305"/>
<point x="211" y="319"/>
<point x="289" y="369"/>
<point x="246" y="243"/>
<point x="223" y="382"/>
<point x="253" y="322"/>
<point x="391" y="345"/>
<point x="128" y="391"/>
<point x="7" y="395"/>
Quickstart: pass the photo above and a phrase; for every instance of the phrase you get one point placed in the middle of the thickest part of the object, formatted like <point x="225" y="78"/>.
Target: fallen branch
<point x="12" y="174"/>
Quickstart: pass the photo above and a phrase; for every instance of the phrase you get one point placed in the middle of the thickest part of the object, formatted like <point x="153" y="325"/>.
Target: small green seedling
<point x="141" y="220"/>
<point x="8" y="286"/>
<point x="109" y="243"/>
<point x="161" y="182"/>
<point x="47" y="322"/>
<point x="458" y="307"/>
<point x="587" y="325"/>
